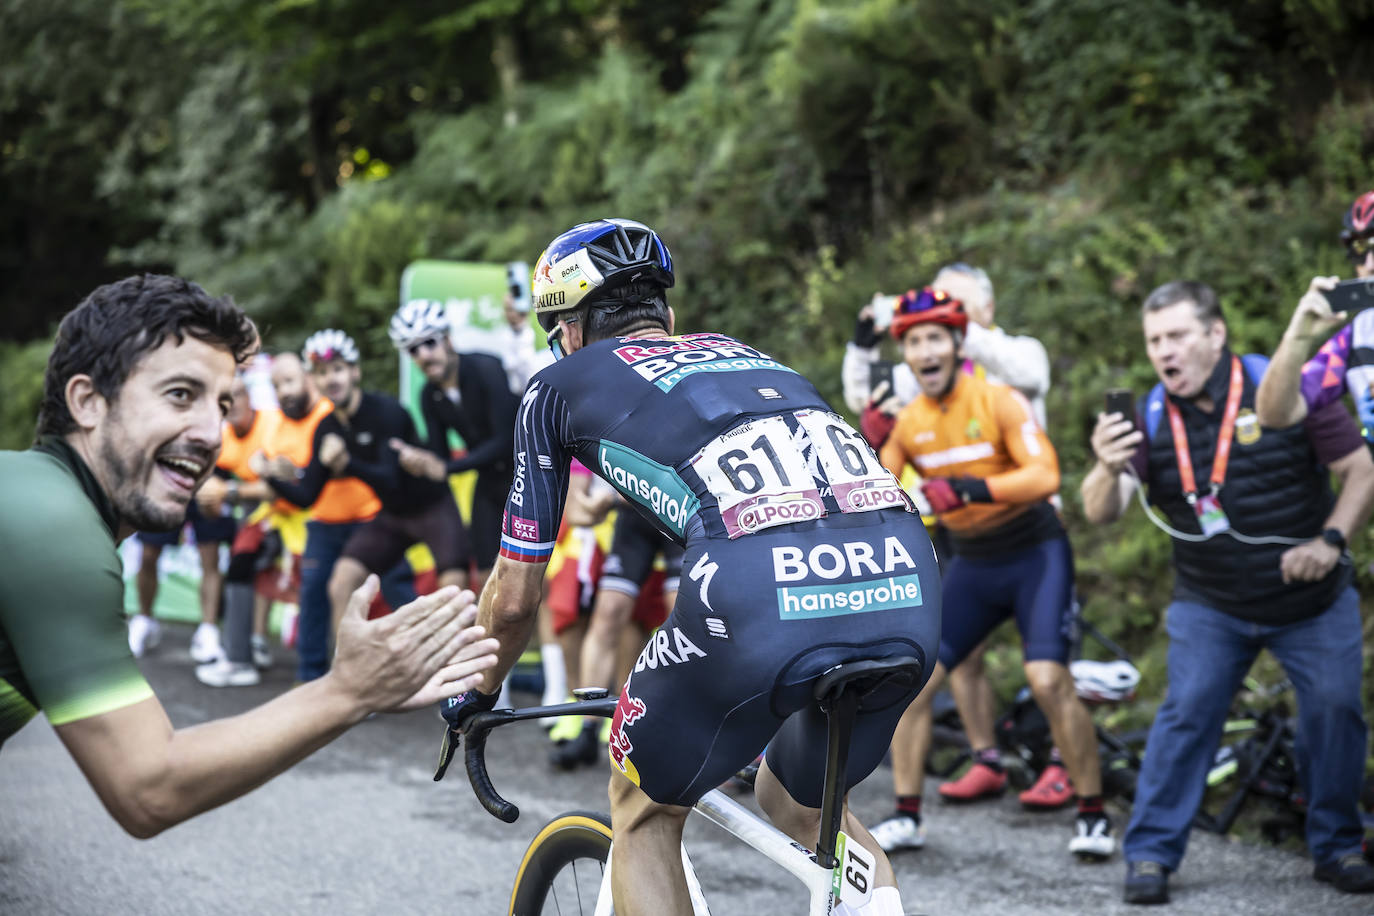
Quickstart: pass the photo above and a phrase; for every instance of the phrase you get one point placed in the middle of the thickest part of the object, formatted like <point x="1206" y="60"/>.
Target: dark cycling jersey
<point x="789" y="523"/>
<point x="482" y="412"/>
<point x="63" y="644"/>
<point x="368" y="434"/>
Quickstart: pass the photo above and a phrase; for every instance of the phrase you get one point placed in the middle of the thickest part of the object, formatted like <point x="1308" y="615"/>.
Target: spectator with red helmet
<point x="988" y="471"/>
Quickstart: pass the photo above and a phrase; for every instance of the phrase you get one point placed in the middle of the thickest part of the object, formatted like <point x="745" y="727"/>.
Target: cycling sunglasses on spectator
<point x="913" y="302"/>
<point x="419" y="345"/>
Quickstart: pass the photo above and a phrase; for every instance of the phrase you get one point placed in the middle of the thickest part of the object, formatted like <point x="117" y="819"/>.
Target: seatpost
<point x="840" y="721"/>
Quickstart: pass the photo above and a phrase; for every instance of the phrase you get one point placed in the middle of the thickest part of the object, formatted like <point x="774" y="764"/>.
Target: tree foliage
<point x="796" y="154"/>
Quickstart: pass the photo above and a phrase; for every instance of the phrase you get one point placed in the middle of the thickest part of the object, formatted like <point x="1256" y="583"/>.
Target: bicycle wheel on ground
<point x="561" y="872"/>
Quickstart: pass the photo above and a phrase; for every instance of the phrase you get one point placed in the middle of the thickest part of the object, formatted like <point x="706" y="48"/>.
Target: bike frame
<point x="753" y="831"/>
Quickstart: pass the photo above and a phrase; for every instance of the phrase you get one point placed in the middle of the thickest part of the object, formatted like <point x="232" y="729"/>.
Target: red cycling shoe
<point x="1052" y="790"/>
<point x="980" y="781"/>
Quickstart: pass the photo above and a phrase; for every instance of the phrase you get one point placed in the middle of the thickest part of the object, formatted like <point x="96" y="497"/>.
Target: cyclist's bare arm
<point x="151" y="776"/>
<point x="1279" y="401"/>
<point x="508" y="611"/>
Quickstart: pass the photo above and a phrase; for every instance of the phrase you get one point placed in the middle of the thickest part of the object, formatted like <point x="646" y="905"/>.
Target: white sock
<point x="503" y="700"/>
<point x="555" y="673"/>
<point x="886" y="901"/>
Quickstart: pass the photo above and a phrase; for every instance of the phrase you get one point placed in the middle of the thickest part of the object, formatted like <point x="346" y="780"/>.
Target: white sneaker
<point x="262" y="652"/>
<point x="900" y="831"/>
<point x="144" y="634"/>
<point x="1092" y="838"/>
<point x="205" y="643"/>
<point x="225" y="673"/>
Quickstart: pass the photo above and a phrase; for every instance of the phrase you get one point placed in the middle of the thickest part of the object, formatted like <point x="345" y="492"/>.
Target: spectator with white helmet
<point x="465" y="393"/>
<point x="353" y="441"/>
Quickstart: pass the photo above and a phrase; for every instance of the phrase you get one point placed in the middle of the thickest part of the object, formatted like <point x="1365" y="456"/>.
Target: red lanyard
<point x="1228" y="429"/>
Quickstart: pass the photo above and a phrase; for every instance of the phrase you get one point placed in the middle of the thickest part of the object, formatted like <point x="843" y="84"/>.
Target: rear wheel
<point x="562" y="870"/>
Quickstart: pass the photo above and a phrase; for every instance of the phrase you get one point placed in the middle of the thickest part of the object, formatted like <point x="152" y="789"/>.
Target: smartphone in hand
<point x="880" y="371"/>
<point x="1122" y="401"/>
<point x="1351" y="295"/>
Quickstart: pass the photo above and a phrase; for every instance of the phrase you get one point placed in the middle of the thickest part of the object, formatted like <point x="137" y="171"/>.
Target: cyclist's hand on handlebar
<point x="456" y="712"/>
<point x="425" y="651"/>
<point x="1115" y="440"/>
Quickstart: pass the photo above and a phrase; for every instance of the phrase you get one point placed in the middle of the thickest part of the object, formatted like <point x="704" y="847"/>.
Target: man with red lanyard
<point x="1260" y="563"/>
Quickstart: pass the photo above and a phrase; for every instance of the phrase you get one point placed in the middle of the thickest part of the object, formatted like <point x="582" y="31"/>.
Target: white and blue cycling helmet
<point x="591" y="260"/>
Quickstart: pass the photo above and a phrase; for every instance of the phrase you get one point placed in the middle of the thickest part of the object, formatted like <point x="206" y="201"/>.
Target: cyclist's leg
<point x="1322" y="657"/>
<point x="803" y="824"/>
<point x="973" y="697"/>
<point x="911" y="739"/>
<point x="1209" y="653"/>
<point x="1043" y="577"/>
<point x="625" y="569"/>
<point x="440" y="528"/>
<point x="376" y="547"/>
<point x="646" y="866"/>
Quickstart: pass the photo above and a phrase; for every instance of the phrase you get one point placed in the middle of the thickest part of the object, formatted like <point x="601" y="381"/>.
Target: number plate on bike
<point x="760" y="476"/>
<point x="853" y="879"/>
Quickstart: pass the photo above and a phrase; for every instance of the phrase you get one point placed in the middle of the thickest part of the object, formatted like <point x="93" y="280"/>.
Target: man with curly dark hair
<point x="134" y="400"/>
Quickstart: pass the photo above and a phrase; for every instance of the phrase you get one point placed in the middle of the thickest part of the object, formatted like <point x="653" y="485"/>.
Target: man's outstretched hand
<point x="427" y="651"/>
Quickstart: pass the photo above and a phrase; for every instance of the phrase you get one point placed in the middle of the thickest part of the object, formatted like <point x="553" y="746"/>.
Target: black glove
<point x="864" y="334"/>
<point x="456" y="712"/>
<point x="971" y="489"/>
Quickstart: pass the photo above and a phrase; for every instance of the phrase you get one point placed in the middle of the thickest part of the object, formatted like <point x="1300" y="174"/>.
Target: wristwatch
<point x="1334" y="537"/>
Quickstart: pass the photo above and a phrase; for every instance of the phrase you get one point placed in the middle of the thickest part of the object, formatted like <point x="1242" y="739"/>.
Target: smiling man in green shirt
<point x="133" y="405"/>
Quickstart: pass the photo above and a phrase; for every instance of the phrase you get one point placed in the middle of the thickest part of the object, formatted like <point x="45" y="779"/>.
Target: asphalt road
<point x="360" y="828"/>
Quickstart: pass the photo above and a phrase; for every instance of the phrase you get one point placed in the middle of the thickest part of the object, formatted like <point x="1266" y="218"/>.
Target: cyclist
<point x="989" y="472"/>
<point x="468" y="394"/>
<point x="801" y="552"/>
<point x="134" y="395"/>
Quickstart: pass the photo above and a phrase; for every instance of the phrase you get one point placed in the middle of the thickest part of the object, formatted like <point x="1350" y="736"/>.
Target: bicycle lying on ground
<point x="1023" y="733"/>
<point x="1261" y="760"/>
<point x="566" y="868"/>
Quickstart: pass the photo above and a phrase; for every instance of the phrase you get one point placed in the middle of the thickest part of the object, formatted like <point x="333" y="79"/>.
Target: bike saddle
<point x="865" y="676"/>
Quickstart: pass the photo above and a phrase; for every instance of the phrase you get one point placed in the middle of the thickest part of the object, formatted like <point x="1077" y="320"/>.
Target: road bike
<point x="566" y="868"/>
<point x="1258" y="759"/>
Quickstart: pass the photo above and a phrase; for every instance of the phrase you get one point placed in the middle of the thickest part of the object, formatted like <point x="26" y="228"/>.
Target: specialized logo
<point x="654" y="486"/>
<point x="851" y="559"/>
<point x="810" y="602"/>
<point x="669" y="361"/>
<point x="702" y="571"/>
<point x="526" y="403"/>
<point x="549" y="300"/>
<point x="666" y="650"/>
